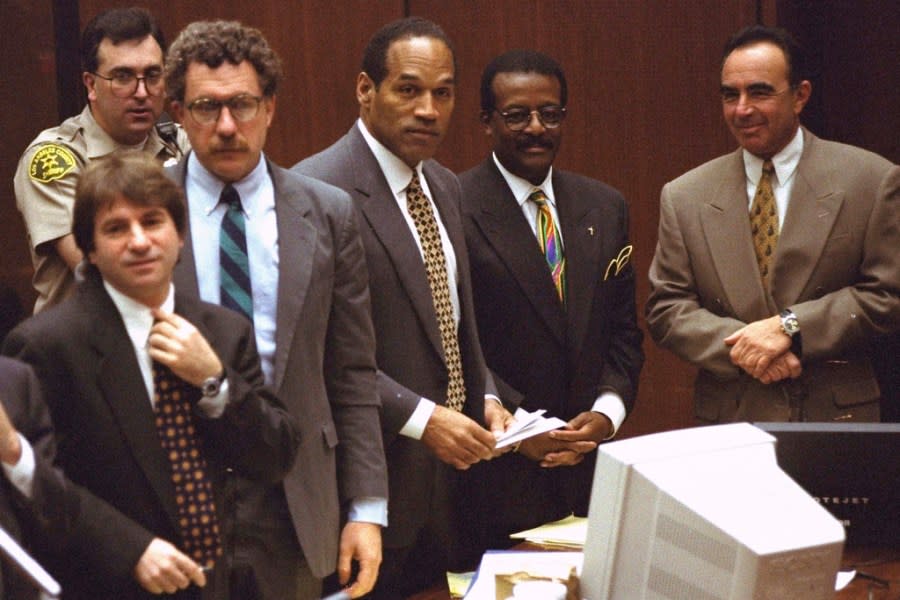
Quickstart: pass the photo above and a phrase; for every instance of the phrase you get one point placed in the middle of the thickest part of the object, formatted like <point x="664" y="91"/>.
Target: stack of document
<point x="565" y="533"/>
<point x="528" y="425"/>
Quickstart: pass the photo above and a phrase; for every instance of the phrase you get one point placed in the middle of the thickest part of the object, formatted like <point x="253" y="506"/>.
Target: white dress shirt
<point x="206" y="213"/>
<point x="785" y="163"/>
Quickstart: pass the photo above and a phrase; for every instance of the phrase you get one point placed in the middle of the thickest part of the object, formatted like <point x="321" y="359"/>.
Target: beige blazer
<point x="837" y="266"/>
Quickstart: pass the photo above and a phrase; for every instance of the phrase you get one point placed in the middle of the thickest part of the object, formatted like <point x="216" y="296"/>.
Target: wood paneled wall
<point x="643" y="80"/>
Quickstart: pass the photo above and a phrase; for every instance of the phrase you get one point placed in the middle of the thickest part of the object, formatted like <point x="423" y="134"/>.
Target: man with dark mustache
<point x="122" y="57"/>
<point x="432" y="379"/>
<point x="554" y="298"/>
<point x="300" y="278"/>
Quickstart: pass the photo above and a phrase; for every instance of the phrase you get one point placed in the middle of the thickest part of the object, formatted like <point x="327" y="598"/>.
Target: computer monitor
<point x="851" y="469"/>
<point x="705" y="514"/>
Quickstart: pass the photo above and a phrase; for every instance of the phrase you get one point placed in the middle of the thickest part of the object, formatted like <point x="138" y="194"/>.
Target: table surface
<point x="876" y="562"/>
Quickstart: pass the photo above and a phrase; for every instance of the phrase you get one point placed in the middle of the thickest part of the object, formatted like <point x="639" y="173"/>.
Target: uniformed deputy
<point x="122" y="58"/>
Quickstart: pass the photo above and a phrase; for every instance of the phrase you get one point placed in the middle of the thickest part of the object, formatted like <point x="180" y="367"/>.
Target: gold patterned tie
<point x="551" y="246"/>
<point x="197" y="520"/>
<point x="436" y="268"/>
<point x="764" y="222"/>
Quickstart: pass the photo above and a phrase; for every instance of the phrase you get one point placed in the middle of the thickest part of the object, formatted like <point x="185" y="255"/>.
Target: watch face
<point x="791" y="325"/>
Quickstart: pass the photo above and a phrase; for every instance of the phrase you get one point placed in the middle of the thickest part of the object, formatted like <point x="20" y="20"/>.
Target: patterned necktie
<point x="234" y="266"/>
<point x="764" y="222"/>
<point x="179" y="439"/>
<point x="436" y="267"/>
<point x="548" y="237"/>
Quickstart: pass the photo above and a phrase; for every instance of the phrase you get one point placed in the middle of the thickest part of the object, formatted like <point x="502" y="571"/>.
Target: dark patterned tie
<point x="548" y="237"/>
<point x="436" y="267"/>
<point x="179" y="439"/>
<point x="234" y="266"/>
<point x="764" y="222"/>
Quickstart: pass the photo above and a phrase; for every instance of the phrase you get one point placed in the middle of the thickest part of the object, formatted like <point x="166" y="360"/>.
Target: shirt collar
<point x="395" y="170"/>
<point x="248" y="187"/>
<point x="138" y="317"/>
<point x="522" y="188"/>
<point x="785" y="162"/>
<point x="97" y="142"/>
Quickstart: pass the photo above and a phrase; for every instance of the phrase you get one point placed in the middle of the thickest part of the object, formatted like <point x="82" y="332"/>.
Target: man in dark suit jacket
<point x="36" y="506"/>
<point x="309" y="301"/>
<point x="406" y="96"/>
<point x="572" y="346"/>
<point x="778" y="333"/>
<point x="95" y="356"/>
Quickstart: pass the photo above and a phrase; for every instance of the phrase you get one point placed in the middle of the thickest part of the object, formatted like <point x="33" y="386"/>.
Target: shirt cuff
<point x="611" y="405"/>
<point x="369" y="509"/>
<point x="494" y="398"/>
<point x="415" y="426"/>
<point x="21" y="474"/>
<point x="213" y="407"/>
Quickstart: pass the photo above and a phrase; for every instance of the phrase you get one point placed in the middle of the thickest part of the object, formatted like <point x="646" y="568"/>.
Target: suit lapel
<point x="185" y="274"/>
<point x="510" y="235"/>
<point x="296" y="255"/>
<point x="120" y="381"/>
<point x="584" y="234"/>
<point x="380" y="210"/>
<point x="726" y="226"/>
<point x="812" y="210"/>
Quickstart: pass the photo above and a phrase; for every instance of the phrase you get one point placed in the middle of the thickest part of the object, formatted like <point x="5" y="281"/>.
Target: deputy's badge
<point x="618" y="263"/>
<point x="51" y="162"/>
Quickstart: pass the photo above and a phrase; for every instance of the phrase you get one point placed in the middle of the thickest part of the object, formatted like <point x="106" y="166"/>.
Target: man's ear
<point x="90" y="83"/>
<point x="485" y="118"/>
<point x="801" y="95"/>
<point x="365" y="87"/>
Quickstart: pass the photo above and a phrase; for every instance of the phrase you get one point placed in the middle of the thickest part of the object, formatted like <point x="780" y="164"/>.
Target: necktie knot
<point x="538" y="197"/>
<point x="230" y="197"/>
<point x="768" y="168"/>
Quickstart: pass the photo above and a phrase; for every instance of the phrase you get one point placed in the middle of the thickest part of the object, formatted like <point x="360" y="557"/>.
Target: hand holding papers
<point x="527" y="425"/>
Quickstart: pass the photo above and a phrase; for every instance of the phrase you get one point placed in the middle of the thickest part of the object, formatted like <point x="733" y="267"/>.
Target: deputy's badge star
<point x="51" y="162"/>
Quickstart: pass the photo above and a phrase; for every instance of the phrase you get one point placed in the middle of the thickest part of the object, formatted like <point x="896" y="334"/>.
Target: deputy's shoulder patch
<point x="51" y="162"/>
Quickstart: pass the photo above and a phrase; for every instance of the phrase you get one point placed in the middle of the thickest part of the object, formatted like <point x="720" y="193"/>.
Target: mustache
<point x="231" y="145"/>
<point x="529" y="141"/>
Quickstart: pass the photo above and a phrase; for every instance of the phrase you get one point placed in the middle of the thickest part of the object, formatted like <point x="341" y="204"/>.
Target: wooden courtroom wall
<point x="643" y="101"/>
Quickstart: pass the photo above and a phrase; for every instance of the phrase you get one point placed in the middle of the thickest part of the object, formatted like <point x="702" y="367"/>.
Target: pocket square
<point x="618" y="263"/>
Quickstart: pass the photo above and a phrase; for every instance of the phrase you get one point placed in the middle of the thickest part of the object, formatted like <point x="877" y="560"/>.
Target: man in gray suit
<point x="777" y="307"/>
<point x="303" y="283"/>
<point x="432" y="377"/>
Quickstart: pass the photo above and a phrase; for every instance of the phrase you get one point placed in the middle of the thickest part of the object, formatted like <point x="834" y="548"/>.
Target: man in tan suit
<point x="779" y="308"/>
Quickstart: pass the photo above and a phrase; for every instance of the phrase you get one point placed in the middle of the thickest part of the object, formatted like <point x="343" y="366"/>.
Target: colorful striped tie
<point x="551" y="245"/>
<point x="764" y="222"/>
<point x="436" y="269"/>
<point x="234" y="266"/>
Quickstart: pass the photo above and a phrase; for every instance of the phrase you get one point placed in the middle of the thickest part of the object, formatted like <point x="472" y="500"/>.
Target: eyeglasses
<point x="518" y="119"/>
<point x="206" y="111"/>
<point x="755" y="95"/>
<point x="125" y="83"/>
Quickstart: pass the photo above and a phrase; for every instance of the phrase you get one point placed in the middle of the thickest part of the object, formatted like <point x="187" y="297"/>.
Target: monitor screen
<point x="851" y="469"/>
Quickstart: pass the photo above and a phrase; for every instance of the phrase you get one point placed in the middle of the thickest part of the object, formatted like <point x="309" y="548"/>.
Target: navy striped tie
<point x="234" y="267"/>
